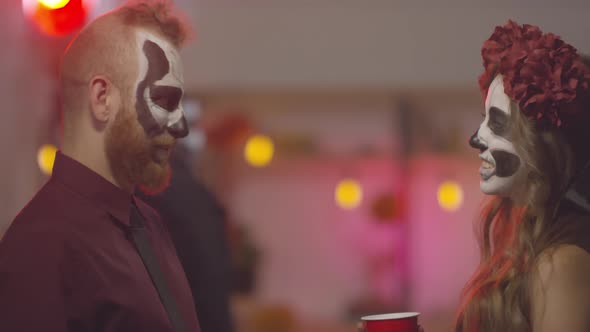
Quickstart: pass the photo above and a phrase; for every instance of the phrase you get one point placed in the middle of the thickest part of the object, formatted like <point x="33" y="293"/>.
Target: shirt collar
<point x="94" y="187"/>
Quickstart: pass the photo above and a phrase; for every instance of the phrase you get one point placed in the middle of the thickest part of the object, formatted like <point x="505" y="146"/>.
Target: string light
<point x="450" y="196"/>
<point x="57" y="17"/>
<point x="46" y="158"/>
<point x="348" y="194"/>
<point x="259" y="150"/>
<point x="54" y="4"/>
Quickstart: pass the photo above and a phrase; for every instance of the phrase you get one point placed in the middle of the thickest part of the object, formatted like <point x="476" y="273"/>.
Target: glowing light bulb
<point x="450" y="196"/>
<point x="54" y="4"/>
<point x="259" y="150"/>
<point x="348" y="194"/>
<point x="46" y="158"/>
<point x="57" y="17"/>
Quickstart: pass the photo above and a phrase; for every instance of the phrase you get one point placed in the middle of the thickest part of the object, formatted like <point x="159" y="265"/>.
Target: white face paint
<point x="501" y="166"/>
<point x="160" y="86"/>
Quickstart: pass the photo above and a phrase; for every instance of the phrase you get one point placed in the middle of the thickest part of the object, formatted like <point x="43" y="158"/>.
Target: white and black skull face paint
<point x="159" y="87"/>
<point x="501" y="166"/>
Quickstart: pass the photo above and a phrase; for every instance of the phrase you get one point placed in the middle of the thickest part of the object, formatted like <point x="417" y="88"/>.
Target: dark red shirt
<point x="67" y="262"/>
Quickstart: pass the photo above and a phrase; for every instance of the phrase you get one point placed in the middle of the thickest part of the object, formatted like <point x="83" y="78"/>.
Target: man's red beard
<point x="131" y="154"/>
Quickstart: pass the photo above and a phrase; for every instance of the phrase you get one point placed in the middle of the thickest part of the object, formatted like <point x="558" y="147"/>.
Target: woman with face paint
<point x="534" y="273"/>
<point x="534" y="234"/>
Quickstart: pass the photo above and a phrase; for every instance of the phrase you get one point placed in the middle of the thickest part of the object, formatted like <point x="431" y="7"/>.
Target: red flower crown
<point x="542" y="73"/>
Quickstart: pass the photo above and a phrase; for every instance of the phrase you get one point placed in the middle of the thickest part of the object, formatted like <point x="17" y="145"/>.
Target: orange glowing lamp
<point x="56" y="17"/>
<point x="54" y="4"/>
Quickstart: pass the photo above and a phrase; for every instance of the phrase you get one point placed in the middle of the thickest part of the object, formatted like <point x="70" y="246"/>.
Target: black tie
<point x="142" y="243"/>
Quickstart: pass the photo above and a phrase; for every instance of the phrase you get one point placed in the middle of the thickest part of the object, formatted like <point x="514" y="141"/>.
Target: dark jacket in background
<point x="196" y="221"/>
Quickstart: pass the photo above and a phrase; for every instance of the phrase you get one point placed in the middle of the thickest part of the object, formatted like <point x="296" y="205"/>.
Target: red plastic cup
<point x="392" y="322"/>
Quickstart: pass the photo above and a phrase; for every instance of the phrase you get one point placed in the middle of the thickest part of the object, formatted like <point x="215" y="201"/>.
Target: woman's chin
<point x="495" y="186"/>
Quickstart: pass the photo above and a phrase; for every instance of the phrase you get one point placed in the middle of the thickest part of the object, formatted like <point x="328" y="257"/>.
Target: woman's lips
<point x="487" y="169"/>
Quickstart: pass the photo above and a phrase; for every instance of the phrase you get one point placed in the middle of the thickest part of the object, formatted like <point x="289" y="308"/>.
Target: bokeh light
<point x="54" y="4"/>
<point x="57" y="17"/>
<point x="348" y="194"/>
<point x="450" y="196"/>
<point x="46" y="158"/>
<point x="259" y="150"/>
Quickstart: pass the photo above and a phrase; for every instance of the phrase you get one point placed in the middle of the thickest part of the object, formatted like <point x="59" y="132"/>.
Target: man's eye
<point x="167" y="98"/>
<point x="162" y="102"/>
<point x="166" y="103"/>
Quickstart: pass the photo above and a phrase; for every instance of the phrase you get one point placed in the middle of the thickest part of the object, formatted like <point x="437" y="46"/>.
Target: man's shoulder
<point x="43" y="218"/>
<point x="50" y="201"/>
<point x="32" y="240"/>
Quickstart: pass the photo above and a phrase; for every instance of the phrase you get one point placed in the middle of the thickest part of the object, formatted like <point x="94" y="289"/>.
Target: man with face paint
<point x="534" y="273"/>
<point x="86" y="254"/>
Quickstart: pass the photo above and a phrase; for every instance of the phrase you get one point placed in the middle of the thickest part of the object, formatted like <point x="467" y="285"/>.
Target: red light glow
<point x="54" y="4"/>
<point x="56" y="17"/>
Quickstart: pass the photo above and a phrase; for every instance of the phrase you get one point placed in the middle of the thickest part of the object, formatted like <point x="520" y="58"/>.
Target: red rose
<point x="542" y="74"/>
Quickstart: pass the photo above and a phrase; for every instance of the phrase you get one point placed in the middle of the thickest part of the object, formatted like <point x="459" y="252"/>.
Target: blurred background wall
<point x="382" y="94"/>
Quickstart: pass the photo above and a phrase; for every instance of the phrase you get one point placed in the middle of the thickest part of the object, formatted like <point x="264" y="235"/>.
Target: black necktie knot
<point x="135" y="218"/>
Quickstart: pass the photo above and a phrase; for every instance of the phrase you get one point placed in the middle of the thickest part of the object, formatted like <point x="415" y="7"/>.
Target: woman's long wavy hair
<point x="512" y="235"/>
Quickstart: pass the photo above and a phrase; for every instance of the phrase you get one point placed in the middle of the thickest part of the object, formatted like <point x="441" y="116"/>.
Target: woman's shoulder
<point x="565" y="255"/>
<point x="573" y="228"/>
<point x="561" y="289"/>
<point x="565" y="267"/>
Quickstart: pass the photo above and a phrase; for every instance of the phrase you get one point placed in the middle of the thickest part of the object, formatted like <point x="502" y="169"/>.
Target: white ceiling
<point x="368" y="4"/>
<point x="354" y="43"/>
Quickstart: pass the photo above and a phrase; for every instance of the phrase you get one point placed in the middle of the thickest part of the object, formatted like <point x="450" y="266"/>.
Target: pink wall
<point x="442" y="246"/>
<point x="316" y="253"/>
<point x="26" y="91"/>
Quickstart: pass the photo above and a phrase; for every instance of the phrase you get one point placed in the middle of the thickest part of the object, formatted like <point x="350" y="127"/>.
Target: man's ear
<point x="101" y="95"/>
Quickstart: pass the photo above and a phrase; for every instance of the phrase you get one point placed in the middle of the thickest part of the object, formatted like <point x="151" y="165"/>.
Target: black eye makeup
<point x="158" y="67"/>
<point x="499" y="122"/>
<point x="159" y="97"/>
<point x="167" y="97"/>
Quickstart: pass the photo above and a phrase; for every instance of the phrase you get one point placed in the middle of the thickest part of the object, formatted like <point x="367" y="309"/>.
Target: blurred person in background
<point x="86" y="254"/>
<point x="197" y="222"/>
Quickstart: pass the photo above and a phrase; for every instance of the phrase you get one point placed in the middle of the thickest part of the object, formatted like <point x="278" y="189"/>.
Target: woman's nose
<point x="476" y="143"/>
